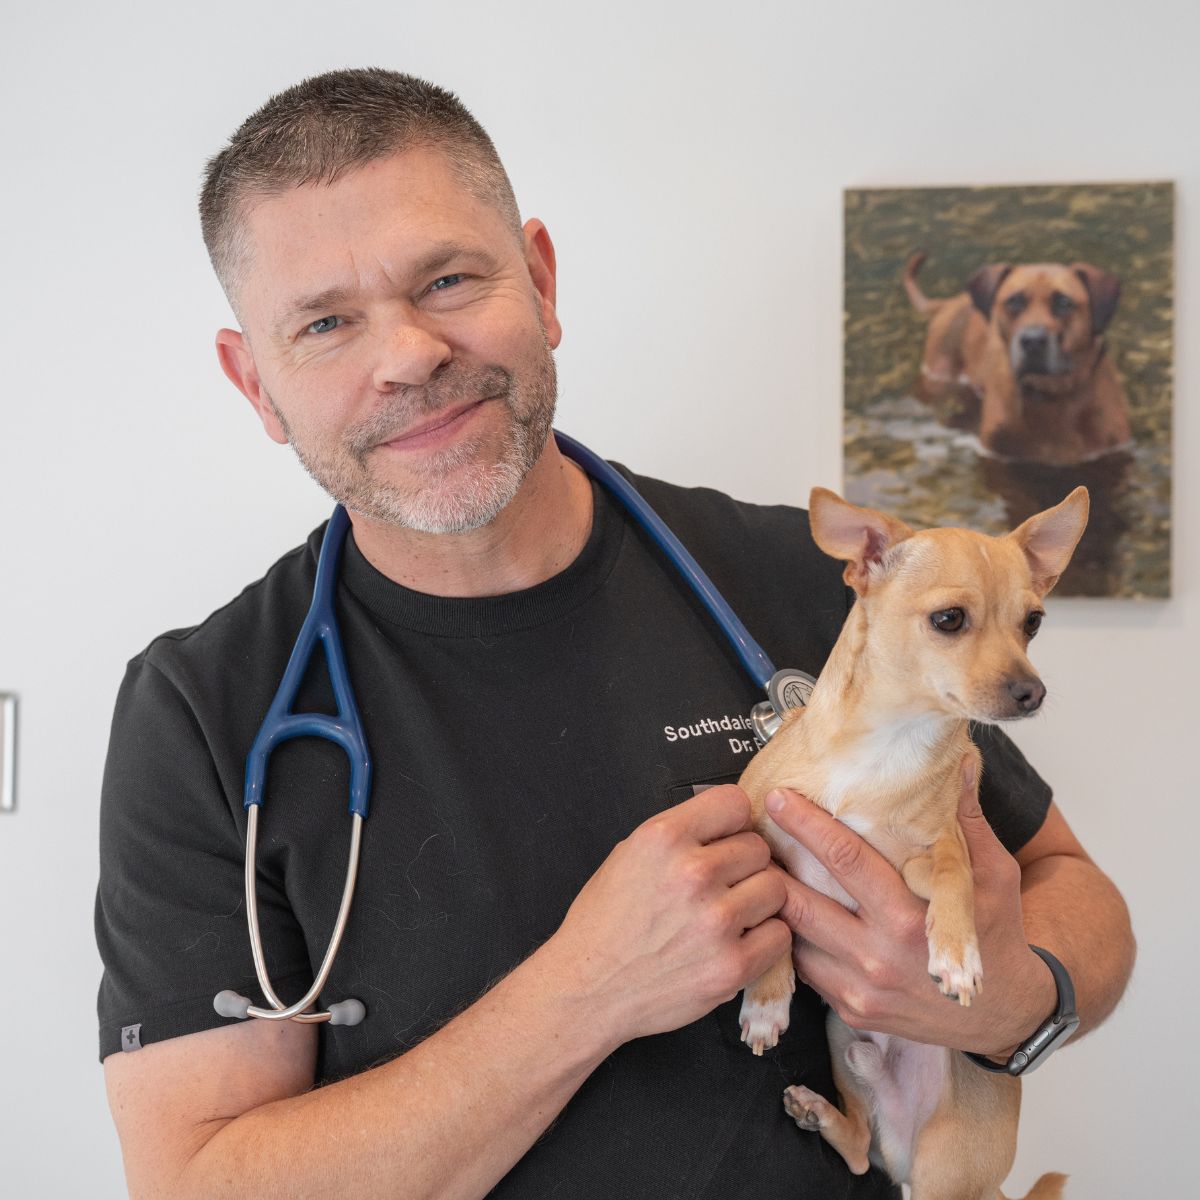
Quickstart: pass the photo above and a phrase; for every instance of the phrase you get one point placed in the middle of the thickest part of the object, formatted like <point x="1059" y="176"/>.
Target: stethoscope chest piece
<point x="787" y="689"/>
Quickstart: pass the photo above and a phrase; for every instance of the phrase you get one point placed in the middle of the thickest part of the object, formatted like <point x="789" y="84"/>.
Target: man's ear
<point x="539" y="258"/>
<point x="858" y="536"/>
<point x="1049" y="538"/>
<point x="233" y="353"/>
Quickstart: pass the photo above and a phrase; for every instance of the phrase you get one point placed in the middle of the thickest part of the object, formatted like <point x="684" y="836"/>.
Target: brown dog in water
<point x="1027" y="342"/>
<point x="938" y="637"/>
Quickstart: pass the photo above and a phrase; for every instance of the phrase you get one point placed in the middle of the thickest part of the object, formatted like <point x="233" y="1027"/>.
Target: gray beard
<point x="479" y="490"/>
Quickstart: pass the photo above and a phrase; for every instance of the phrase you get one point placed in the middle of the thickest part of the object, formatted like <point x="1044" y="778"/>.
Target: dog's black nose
<point x="1028" y="693"/>
<point x="1034" y="340"/>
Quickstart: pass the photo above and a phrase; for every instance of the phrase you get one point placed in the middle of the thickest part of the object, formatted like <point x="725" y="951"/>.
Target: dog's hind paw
<point x="958" y="976"/>
<point x="806" y="1108"/>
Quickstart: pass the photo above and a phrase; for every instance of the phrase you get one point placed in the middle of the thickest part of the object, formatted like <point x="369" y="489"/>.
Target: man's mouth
<point x="440" y="428"/>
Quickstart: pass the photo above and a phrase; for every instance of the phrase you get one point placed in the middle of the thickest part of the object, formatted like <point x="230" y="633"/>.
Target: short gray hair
<point x="327" y="125"/>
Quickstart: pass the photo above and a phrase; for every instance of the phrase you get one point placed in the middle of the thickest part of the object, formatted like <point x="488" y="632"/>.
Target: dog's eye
<point x="1015" y="303"/>
<point x="949" y="620"/>
<point x="1033" y="622"/>
<point x="1061" y="304"/>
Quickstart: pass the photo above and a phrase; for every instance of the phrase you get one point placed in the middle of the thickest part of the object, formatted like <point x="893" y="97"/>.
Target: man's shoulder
<point x="763" y="560"/>
<point x="732" y="528"/>
<point x="265" y="611"/>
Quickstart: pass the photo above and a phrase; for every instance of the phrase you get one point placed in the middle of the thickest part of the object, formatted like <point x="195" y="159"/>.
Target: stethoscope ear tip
<point x="348" y="1012"/>
<point x="230" y="1004"/>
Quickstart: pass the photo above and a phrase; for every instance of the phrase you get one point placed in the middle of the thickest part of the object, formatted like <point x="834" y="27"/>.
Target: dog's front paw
<point x="764" y="1021"/>
<point x="958" y="973"/>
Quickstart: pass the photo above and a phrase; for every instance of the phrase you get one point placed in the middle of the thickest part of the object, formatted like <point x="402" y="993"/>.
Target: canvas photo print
<point x="1004" y="345"/>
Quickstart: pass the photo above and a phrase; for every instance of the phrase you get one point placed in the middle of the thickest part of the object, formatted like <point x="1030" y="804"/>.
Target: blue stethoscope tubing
<point x="346" y="729"/>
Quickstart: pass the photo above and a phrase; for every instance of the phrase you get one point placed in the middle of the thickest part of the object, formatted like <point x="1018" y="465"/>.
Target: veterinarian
<point x="553" y="917"/>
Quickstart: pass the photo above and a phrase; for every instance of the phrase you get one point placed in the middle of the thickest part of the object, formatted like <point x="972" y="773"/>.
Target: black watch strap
<point x="1049" y="1035"/>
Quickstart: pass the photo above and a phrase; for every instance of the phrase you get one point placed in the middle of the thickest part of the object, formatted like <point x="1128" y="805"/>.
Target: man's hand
<point x="679" y="918"/>
<point x="871" y="966"/>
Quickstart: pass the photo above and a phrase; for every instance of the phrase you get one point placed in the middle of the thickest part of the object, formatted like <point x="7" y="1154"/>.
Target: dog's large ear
<point x="1049" y="538"/>
<point x="1103" y="289"/>
<point x="858" y="536"/>
<point x="985" y="283"/>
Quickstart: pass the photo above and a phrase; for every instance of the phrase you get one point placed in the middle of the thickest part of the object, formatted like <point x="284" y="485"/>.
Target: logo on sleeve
<point x="131" y="1037"/>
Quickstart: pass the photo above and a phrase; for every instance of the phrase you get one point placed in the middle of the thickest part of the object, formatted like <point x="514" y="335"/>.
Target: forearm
<point x="447" y="1119"/>
<point x="1071" y="908"/>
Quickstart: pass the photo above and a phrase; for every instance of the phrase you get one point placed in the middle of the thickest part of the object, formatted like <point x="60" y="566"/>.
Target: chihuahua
<point x="938" y="637"/>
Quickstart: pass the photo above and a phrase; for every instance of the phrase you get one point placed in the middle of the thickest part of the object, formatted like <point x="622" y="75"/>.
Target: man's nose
<point x="408" y="355"/>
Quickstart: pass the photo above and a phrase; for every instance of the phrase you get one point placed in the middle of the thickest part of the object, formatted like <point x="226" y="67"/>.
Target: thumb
<point x="975" y="827"/>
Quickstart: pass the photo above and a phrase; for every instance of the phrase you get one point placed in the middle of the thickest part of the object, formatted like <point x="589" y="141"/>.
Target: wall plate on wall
<point x="8" y="752"/>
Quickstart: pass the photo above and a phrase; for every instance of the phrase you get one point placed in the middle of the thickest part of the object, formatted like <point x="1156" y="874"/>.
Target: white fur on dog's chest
<point x="888" y="759"/>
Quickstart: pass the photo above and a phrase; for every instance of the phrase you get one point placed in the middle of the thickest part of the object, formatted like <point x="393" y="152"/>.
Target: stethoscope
<point x="785" y="689"/>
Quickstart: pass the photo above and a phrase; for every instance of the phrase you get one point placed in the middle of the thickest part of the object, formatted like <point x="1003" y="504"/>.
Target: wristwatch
<point x="1048" y="1036"/>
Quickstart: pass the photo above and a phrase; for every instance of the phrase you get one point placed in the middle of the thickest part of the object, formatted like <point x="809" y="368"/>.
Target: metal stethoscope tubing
<point x="346" y="1012"/>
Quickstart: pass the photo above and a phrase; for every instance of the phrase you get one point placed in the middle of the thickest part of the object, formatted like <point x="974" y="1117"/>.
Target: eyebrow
<point x="438" y="256"/>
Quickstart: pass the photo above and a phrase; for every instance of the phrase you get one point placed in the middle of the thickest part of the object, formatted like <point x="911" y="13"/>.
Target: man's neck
<point x="536" y="536"/>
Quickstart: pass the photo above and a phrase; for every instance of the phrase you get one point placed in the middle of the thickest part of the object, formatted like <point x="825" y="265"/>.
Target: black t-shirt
<point x="516" y="739"/>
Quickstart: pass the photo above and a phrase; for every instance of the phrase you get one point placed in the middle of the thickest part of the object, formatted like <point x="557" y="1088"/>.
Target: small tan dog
<point x="937" y="638"/>
<point x="1026" y="343"/>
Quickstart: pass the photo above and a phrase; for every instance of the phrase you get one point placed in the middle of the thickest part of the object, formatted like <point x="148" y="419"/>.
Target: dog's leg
<point x="855" y="1065"/>
<point x="942" y="875"/>
<point x="766" y="1006"/>
<point x="967" y="1146"/>
<point x="849" y="1133"/>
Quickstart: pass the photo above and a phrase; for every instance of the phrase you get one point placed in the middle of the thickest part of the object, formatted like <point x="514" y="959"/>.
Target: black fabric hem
<point x="195" y="1014"/>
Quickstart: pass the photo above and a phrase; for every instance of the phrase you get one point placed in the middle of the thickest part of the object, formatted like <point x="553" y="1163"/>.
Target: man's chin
<point x="447" y="506"/>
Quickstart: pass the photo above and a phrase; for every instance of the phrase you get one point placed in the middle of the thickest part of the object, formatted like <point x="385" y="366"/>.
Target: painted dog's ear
<point x="985" y="283"/>
<point x="860" y="537"/>
<point x="1103" y="289"/>
<point x="1049" y="538"/>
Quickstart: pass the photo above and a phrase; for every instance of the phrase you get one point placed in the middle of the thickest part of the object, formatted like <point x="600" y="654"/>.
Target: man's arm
<point x="677" y="920"/>
<point x="870" y="966"/>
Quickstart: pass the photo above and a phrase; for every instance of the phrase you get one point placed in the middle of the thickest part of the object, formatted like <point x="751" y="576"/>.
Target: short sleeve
<point x="1013" y="796"/>
<point x="170" y="910"/>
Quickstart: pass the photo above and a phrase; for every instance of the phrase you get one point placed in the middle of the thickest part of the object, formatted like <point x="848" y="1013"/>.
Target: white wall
<point x="688" y="160"/>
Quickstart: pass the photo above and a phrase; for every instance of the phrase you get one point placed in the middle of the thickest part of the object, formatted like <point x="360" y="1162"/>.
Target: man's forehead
<point x="405" y="216"/>
<point x="412" y="194"/>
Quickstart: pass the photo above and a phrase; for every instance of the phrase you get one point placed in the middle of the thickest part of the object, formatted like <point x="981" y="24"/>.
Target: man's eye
<point x="325" y="325"/>
<point x="440" y="285"/>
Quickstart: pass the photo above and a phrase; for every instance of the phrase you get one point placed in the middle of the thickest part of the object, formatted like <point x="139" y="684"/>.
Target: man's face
<point x="400" y="339"/>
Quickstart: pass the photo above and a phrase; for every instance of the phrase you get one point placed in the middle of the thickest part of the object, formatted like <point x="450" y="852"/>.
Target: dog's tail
<point x="921" y="302"/>
<point x="1049" y="1187"/>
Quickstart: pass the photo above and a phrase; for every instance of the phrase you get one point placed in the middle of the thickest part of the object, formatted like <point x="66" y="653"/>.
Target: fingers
<point x="715" y="813"/>
<point x="985" y="848"/>
<point x="734" y="858"/>
<point x="865" y="874"/>
<point x="755" y="899"/>
<point x="816" y="918"/>
<point x="764" y="945"/>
